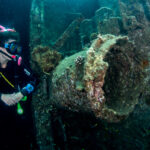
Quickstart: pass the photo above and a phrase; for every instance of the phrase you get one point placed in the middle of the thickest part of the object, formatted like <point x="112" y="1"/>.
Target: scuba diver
<point x="16" y="82"/>
<point x="13" y="73"/>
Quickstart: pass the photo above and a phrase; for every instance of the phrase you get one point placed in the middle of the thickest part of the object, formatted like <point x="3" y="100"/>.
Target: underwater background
<point x="91" y="58"/>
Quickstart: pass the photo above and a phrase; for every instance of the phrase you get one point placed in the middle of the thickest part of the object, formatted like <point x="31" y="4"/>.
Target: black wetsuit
<point x="14" y="128"/>
<point x="17" y="75"/>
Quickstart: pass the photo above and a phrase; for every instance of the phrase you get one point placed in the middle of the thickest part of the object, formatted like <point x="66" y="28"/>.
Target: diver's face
<point x="3" y="57"/>
<point x="9" y="41"/>
<point x="13" y="47"/>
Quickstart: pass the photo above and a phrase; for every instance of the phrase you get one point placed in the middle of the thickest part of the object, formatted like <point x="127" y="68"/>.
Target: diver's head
<point x="9" y="40"/>
<point x="9" y="47"/>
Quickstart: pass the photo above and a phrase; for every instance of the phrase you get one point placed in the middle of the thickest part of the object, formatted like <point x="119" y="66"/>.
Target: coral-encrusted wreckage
<point x="102" y="83"/>
<point x="45" y="58"/>
<point x="107" y="82"/>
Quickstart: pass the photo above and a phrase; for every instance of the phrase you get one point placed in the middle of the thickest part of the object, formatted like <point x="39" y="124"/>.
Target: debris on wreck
<point x="67" y="33"/>
<point x="115" y="88"/>
<point x="45" y="58"/>
<point x="111" y="79"/>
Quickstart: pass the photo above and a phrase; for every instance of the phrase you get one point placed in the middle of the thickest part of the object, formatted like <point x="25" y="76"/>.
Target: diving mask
<point x="13" y="48"/>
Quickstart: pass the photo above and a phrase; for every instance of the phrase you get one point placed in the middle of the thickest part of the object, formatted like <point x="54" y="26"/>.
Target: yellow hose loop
<point x="7" y="80"/>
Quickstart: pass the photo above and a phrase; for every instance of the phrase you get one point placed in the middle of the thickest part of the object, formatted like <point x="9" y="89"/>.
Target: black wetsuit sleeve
<point x="26" y="76"/>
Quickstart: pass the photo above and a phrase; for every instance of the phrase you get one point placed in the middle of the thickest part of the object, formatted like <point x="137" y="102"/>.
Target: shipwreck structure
<point x="94" y="67"/>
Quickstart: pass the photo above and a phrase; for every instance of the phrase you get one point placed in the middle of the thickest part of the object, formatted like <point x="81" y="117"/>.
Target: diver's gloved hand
<point x="11" y="99"/>
<point x="27" y="89"/>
